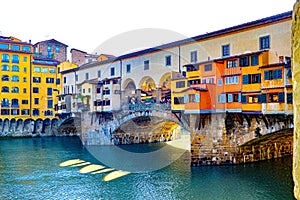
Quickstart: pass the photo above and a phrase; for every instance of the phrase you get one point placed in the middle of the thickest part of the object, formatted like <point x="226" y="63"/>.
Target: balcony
<point x="232" y="71"/>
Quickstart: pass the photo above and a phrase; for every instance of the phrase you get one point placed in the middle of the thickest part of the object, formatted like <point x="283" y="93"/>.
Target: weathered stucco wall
<point x="296" y="86"/>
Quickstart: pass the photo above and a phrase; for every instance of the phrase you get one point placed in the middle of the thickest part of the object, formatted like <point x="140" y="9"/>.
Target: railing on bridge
<point x="146" y="107"/>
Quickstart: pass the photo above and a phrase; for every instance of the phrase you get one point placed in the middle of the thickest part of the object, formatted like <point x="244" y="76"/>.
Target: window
<point x="24" y="101"/>
<point x="231" y="64"/>
<point x="15" y="47"/>
<point x="264" y="42"/>
<point x="50" y="103"/>
<point x="168" y="61"/>
<point x="25" y="111"/>
<point x="194" y="56"/>
<point x="86" y="76"/>
<point x="106" y="91"/>
<point x="98" y="90"/>
<point x="24" y="90"/>
<point x="115" y="81"/>
<point x="24" y="79"/>
<point x="180" y="84"/>
<point x="244" y="61"/>
<point x="128" y="68"/>
<point x="178" y="100"/>
<point x="15" y="59"/>
<point x="99" y="74"/>
<point x="276" y="97"/>
<point x="15" y="103"/>
<point x="25" y="48"/>
<point x="36" y="69"/>
<point x="5" y="89"/>
<point x="226" y="50"/>
<point x="208" y="67"/>
<point x="49" y="91"/>
<point x="36" y="101"/>
<point x="5" y="78"/>
<point x="15" y="68"/>
<point x="253" y="99"/>
<point x="35" y="90"/>
<point x="57" y="50"/>
<point x="25" y="69"/>
<point x="48" y="112"/>
<point x="5" y="102"/>
<point x="76" y="77"/>
<point x="49" y="48"/>
<point x="191" y="68"/>
<point x="112" y="71"/>
<point x="146" y="65"/>
<point x="231" y="80"/>
<point x="14" y="90"/>
<point x="24" y="59"/>
<point x="58" y="81"/>
<point x="65" y="79"/>
<point x="254" y="60"/>
<point x="15" y="78"/>
<point x="220" y="82"/>
<point x="5" y="68"/>
<point x="251" y="78"/>
<point x="15" y="112"/>
<point x="4" y="46"/>
<point x="5" y="58"/>
<point x="49" y="80"/>
<point x="289" y="98"/>
<point x="45" y="70"/>
<point x="221" y="98"/>
<point x="106" y="102"/>
<point x="4" y="112"/>
<point x="36" y="112"/>
<point x="194" y="82"/>
<point x="89" y="90"/>
<point x="273" y="74"/>
<point x="52" y="70"/>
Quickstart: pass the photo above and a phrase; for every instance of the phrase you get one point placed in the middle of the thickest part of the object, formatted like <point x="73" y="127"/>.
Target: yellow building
<point x="44" y="87"/>
<point x="16" y="57"/>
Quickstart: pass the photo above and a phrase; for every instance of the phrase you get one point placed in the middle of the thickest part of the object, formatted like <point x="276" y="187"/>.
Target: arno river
<point x="29" y="169"/>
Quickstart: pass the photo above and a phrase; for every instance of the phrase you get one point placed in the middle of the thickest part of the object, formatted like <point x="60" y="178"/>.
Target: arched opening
<point x="147" y="91"/>
<point x="164" y="93"/>
<point x="129" y="89"/>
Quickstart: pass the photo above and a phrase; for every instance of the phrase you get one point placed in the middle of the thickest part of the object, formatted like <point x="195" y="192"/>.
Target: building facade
<point x="51" y="49"/>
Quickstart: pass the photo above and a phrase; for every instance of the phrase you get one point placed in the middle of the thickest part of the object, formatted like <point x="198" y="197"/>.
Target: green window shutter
<point x="244" y="99"/>
<point x="267" y="75"/>
<point x="264" y="98"/>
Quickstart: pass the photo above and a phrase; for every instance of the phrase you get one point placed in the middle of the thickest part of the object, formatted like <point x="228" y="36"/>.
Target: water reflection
<point x="29" y="170"/>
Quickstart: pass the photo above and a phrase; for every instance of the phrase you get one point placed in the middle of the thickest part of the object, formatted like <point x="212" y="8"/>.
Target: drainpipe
<point x="121" y="74"/>
<point x="179" y="59"/>
<point x="30" y="87"/>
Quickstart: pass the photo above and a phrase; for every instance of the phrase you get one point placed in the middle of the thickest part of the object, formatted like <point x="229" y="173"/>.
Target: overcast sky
<point x="86" y="24"/>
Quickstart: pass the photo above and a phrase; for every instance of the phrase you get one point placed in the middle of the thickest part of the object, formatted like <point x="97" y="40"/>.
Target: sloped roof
<point x="51" y="40"/>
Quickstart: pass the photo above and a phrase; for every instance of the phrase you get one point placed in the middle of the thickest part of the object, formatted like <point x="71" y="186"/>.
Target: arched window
<point x="15" y="78"/>
<point x="15" y="59"/>
<point x="5" y="102"/>
<point x="5" y="68"/>
<point x="15" y="103"/>
<point x="5" y="58"/>
<point x="14" y="90"/>
<point x="5" y="78"/>
<point x="15" y="68"/>
<point x="5" y="89"/>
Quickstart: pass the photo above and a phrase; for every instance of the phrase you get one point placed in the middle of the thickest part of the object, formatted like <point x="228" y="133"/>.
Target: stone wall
<point x="296" y="92"/>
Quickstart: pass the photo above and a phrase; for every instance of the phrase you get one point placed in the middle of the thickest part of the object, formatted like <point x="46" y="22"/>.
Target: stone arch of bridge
<point x="69" y="125"/>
